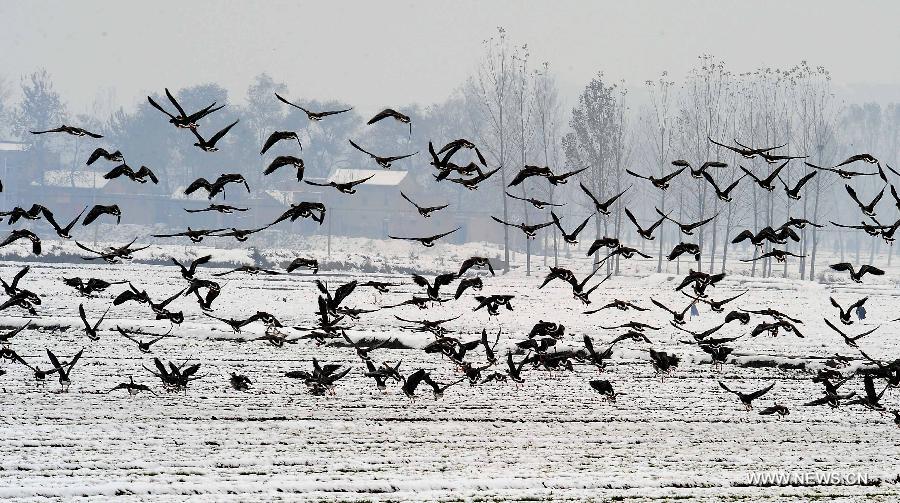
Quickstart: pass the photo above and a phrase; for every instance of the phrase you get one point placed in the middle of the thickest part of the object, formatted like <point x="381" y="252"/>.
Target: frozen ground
<point x="550" y="438"/>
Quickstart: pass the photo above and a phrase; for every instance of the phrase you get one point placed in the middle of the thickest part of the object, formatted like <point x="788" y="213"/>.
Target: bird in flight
<point x="427" y="241"/>
<point x="384" y="162"/>
<point x="70" y="130"/>
<point x="313" y="116"/>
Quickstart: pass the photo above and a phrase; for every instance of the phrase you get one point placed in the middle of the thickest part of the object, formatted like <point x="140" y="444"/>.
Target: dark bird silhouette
<point x="143" y="346"/>
<point x="210" y="144"/>
<point x="195" y="235"/>
<point x="23" y="234"/>
<point x="475" y="262"/>
<point x="218" y="208"/>
<point x="237" y="325"/>
<point x="343" y="187"/>
<point x="872" y="399"/>
<point x="249" y="269"/>
<point x="390" y="112"/>
<point x="379" y="286"/>
<point x="63" y="232"/>
<point x="303" y="209"/>
<point x="846" y="314"/>
<point x="64" y="370"/>
<point x="845" y="174"/>
<point x="621" y="305"/>
<point x="604" y="242"/>
<point x="778" y="254"/>
<point x="858" y="157"/>
<point x="102" y="209"/>
<point x="303" y="263"/>
<point x="850" y="341"/>
<point x="91" y="330"/>
<point x="33" y="213"/>
<point x="454" y="146"/>
<point x="286" y="160"/>
<point x="113" y="254"/>
<point x="5" y="337"/>
<point x="689" y="227"/>
<point x="472" y="183"/>
<point x="313" y="116"/>
<point x="659" y="183"/>
<point x="855" y="275"/>
<point x="677" y="316"/>
<point x="699" y="172"/>
<point x="718" y="306"/>
<point x="139" y="176"/>
<point x="467" y="283"/>
<point x="384" y="162"/>
<point x="747" y="398"/>
<point x="131" y="387"/>
<point x="217" y="186"/>
<point x="91" y="286"/>
<point x="602" y="207"/>
<point x="768" y="182"/>
<point x="70" y="130"/>
<point x="870" y="229"/>
<point x="529" y="230"/>
<point x="188" y="272"/>
<point x="276" y="137"/>
<point x="603" y="387"/>
<point x="102" y="152"/>
<point x="514" y="369"/>
<point x="183" y="120"/>
<point x="433" y="289"/>
<point x="781" y="410"/>
<point x="739" y="316"/>
<point x="648" y="232"/>
<point x="625" y="251"/>
<point x="427" y="241"/>
<point x="425" y="211"/>
<point x="528" y="172"/>
<point x="684" y="248"/>
<point x="493" y="303"/>
<point x="663" y="363"/>
<point x="412" y="382"/>
<point x="746" y="152"/>
<point x="794" y="193"/>
<point x="723" y="195"/>
<point x="239" y="382"/>
<point x="537" y="203"/>
<point x="570" y="237"/>
<point x="562" y="178"/>
<point x="867" y="209"/>
<point x="240" y="235"/>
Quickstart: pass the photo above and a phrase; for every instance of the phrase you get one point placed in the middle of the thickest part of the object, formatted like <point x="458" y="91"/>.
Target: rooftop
<point x="383" y="177"/>
<point x="79" y="179"/>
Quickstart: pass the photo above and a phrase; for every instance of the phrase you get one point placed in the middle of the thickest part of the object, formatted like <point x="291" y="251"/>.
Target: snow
<point x="548" y="438"/>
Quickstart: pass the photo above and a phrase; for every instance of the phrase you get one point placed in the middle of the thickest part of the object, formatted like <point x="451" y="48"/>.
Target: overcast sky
<point x="378" y="53"/>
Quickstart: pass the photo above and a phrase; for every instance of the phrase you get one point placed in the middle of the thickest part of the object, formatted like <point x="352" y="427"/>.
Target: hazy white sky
<point x="376" y="53"/>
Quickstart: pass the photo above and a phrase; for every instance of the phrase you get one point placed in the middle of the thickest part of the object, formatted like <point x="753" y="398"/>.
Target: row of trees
<point x="511" y="108"/>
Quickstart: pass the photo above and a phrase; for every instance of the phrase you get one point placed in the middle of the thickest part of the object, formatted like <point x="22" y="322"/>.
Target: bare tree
<point x="490" y="89"/>
<point x="547" y="115"/>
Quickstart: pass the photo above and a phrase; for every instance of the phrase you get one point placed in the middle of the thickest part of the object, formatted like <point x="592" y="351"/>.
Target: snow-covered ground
<point x="549" y="438"/>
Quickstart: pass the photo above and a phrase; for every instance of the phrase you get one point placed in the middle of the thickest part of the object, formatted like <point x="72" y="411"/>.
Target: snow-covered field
<point x="551" y="437"/>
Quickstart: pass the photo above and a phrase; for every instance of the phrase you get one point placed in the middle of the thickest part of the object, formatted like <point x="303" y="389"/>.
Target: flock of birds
<point x="478" y="361"/>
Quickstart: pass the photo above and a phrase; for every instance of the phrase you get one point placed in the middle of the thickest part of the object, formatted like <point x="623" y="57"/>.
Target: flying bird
<point x="427" y="241"/>
<point x="210" y="144"/>
<point x="313" y="116"/>
<point x="276" y="137"/>
<point x="385" y="161"/>
<point x="425" y="211"/>
<point x="70" y="130"/>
